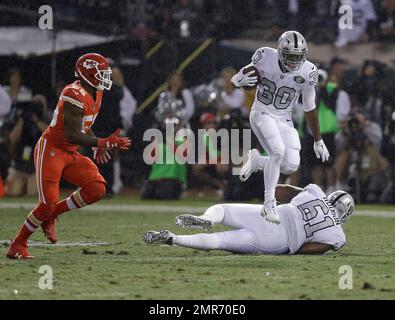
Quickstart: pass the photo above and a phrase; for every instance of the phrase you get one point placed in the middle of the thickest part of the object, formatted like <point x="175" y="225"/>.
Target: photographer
<point x="388" y="151"/>
<point x="367" y="169"/>
<point x="5" y="107"/>
<point x="168" y="175"/>
<point x="23" y="127"/>
<point x="232" y="98"/>
<point x="209" y="171"/>
<point x="177" y="100"/>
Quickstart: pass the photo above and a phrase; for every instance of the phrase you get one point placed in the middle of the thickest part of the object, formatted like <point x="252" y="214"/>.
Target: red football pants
<point x="53" y="163"/>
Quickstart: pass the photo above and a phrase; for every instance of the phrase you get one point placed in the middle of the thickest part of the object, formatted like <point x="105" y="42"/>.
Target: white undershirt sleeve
<point x="308" y="98"/>
<point x="5" y="102"/>
<point x="343" y="105"/>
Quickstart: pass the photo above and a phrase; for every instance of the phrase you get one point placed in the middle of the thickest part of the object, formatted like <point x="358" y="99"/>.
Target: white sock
<point x="117" y="184"/>
<point x="200" y="241"/>
<point x="262" y="160"/>
<point x="271" y="174"/>
<point x="215" y="214"/>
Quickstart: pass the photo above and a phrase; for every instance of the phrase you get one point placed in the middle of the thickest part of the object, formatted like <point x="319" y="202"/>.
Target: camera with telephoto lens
<point x="27" y="109"/>
<point x="354" y="131"/>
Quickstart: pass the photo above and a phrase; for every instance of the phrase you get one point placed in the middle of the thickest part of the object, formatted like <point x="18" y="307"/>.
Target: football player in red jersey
<point x="56" y="155"/>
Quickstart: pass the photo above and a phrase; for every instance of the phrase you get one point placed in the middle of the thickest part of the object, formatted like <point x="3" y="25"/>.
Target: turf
<point x="127" y="268"/>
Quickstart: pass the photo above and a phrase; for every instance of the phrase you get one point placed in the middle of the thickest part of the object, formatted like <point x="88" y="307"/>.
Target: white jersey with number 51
<point x="278" y="91"/>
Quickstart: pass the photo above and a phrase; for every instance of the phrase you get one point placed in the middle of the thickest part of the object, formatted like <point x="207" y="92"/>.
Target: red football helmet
<point x="94" y="69"/>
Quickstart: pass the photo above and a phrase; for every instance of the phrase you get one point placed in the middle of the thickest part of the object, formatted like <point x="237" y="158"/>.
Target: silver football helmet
<point x="343" y="203"/>
<point x="292" y="50"/>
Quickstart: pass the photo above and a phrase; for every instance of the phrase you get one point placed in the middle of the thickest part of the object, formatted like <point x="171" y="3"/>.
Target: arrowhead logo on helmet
<point x="95" y="70"/>
<point x="89" y="64"/>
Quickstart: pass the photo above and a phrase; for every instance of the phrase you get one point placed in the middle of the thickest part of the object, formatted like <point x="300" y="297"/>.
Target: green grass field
<point x="127" y="268"/>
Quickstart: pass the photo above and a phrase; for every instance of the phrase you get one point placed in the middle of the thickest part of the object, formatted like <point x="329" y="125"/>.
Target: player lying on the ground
<point x="281" y="76"/>
<point x="311" y="225"/>
<point x="56" y="155"/>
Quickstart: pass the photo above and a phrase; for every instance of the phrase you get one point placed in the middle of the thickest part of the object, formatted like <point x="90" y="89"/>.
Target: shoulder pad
<point x="73" y="95"/>
<point x="314" y="189"/>
<point x="261" y="53"/>
<point x="310" y="73"/>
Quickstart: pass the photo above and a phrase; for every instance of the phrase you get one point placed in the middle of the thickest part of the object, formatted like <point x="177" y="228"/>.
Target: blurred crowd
<point x="149" y="19"/>
<point x="356" y="104"/>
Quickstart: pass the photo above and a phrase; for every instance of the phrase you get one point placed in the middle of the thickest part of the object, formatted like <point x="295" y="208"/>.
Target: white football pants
<point x="281" y="140"/>
<point x="252" y="234"/>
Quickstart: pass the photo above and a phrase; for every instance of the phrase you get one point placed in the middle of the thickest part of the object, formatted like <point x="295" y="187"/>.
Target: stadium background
<point x="148" y="40"/>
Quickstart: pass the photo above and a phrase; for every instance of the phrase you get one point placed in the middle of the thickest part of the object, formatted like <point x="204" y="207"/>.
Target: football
<point x="256" y="73"/>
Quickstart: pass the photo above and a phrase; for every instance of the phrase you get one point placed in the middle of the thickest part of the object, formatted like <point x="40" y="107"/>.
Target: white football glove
<point x="321" y="151"/>
<point x="244" y="80"/>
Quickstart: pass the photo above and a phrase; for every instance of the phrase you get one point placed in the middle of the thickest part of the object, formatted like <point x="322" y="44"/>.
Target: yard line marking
<point x="144" y="208"/>
<point x="60" y="244"/>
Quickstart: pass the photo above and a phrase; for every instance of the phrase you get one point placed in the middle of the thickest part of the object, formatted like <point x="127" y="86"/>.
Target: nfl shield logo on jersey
<point x="299" y="79"/>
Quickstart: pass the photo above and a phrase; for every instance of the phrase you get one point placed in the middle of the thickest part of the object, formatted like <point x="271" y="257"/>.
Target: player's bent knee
<point x="290" y="162"/>
<point x="93" y="192"/>
<point x="278" y="151"/>
<point x="289" y="168"/>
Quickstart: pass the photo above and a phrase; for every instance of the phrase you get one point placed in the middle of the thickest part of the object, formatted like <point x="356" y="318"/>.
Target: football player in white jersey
<point x="284" y="74"/>
<point x="312" y="225"/>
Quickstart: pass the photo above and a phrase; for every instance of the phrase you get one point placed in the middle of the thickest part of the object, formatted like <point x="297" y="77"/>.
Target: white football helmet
<point x="343" y="203"/>
<point x="292" y="50"/>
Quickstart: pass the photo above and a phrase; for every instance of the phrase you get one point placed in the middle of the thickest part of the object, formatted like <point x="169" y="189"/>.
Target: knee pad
<point x="93" y="192"/>
<point x="290" y="163"/>
<point x="289" y="168"/>
<point x="275" y="146"/>
<point x="277" y="150"/>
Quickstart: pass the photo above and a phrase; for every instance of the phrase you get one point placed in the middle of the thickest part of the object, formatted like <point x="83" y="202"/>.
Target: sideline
<point x="146" y="208"/>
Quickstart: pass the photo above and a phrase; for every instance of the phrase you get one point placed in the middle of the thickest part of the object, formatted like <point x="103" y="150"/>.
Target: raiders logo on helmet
<point x="299" y="79"/>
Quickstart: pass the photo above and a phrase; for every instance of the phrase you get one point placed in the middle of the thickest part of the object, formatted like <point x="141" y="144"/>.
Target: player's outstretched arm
<point x="314" y="248"/>
<point x="313" y="123"/>
<point x="285" y="192"/>
<point x="100" y="155"/>
<point x="74" y="135"/>
<point x="73" y="125"/>
<point x="320" y="149"/>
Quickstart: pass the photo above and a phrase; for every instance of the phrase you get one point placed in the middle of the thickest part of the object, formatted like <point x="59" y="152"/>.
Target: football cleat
<point x="191" y="221"/>
<point x="18" y="251"/>
<point x="250" y="166"/>
<point x="163" y="236"/>
<point x="49" y="231"/>
<point x="269" y="212"/>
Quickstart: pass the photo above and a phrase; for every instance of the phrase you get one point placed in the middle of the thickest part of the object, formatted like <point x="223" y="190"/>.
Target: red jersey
<point x="76" y="95"/>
